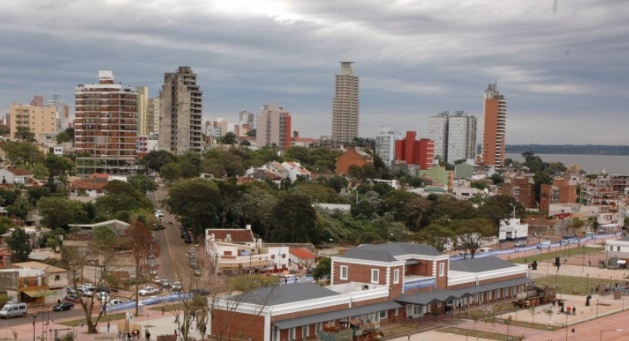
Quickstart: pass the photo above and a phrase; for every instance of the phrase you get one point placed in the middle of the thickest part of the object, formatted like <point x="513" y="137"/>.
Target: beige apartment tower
<point x="38" y="119"/>
<point x="106" y="127"/>
<point x="180" y="119"/>
<point x="143" y="113"/>
<point x="273" y="127"/>
<point x="345" y="105"/>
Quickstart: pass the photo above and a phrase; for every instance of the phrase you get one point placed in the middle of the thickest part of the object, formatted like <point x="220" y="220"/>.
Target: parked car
<point x="165" y="283"/>
<point x="176" y="286"/>
<point x="520" y="243"/>
<point x="85" y="292"/>
<point x="103" y="296"/>
<point x="63" y="306"/>
<point x="197" y="272"/>
<point x="148" y="291"/>
<point x="201" y="292"/>
<point x="72" y="298"/>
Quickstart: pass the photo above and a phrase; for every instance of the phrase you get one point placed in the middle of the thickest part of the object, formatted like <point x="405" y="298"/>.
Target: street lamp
<point x="609" y="330"/>
<point x="34" y="318"/>
<point x="597" y="308"/>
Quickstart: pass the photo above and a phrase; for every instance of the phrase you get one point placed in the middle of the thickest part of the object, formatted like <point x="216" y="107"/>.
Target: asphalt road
<point x="173" y="261"/>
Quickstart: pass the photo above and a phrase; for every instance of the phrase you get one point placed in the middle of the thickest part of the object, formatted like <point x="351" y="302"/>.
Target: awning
<point x="40" y="293"/>
<point x="333" y="315"/>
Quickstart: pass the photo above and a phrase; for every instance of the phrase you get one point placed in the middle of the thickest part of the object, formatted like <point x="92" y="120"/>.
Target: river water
<point x="592" y="164"/>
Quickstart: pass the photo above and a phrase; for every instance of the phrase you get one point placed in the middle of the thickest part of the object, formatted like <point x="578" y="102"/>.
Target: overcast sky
<point x="563" y="65"/>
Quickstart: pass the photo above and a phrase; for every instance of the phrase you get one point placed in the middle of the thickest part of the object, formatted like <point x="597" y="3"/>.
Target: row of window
<point x="375" y="275"/>
<point x="305" y="330"/>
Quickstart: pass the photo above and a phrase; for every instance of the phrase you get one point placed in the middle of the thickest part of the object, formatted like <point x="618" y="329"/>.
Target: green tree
<point x="155" y="160"/>
<point x="228" y="138"/>
<point x="576" y="224"/>
<point x="499" y="208"/>
<point x="58" y="166"/>
<point x="24" y="134"/>
<point x="294" y="220"/>
<point x="196" y="201"/>
<point x="65" y="136"/>
<point x="436" y="235"/>
<point x="19" y="153"/>
<point x="170" y="172"/>
<point x="251" y="133"/>
<point x="19" y="245"/>
<point x="473" y="233"/>
<point x="229" y="193"/>
<point x="323" y="269"/>
<point x="61" y="212"/>
<point x="142" y="183"/>
<point x="254" y="207"/>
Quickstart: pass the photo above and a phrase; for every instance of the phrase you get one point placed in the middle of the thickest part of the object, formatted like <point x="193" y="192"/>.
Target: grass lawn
<point x="480" y="333"/>
<point x="574" y="285"/>
<point x="559" y="252"/>
<point x="104" y="318"/>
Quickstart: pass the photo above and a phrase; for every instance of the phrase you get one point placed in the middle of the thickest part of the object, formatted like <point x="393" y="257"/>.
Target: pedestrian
<point x="574" y="310"/>
<point x="108" y="325"/>
<point x="129" y="336"/>
<point x="81" y="323"/>
<point x="147" y="334"/>
<point x="409" y="337"/>
<point x="568" y="310"/>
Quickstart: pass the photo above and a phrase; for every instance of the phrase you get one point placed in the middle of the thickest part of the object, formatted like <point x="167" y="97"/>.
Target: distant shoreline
<point x="569" y="149"/>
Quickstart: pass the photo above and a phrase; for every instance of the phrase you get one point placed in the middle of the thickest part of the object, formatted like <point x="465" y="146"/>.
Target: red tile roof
<point x="237" y="235"/>
<point x="303" y="253"/>
<point x="20" y="172"/>
<point x="88" y="185"/>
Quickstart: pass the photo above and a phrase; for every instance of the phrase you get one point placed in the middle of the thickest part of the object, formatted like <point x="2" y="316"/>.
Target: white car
<point x="148" y="291"/>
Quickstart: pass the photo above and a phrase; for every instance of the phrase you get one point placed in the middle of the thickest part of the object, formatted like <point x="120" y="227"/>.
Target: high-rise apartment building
<point x="494" y="129"/>
<point x="63" y="111"/>
<point x="153" y="115"/>
<point x="454" y="135"/>
<point x="438" y="133"/>
<point x="39" y="120"/>
<point x="385" y="144"/>
<point x="143" y="113"/>
<point x="106" y="127"/>
<point x="345" y="106"/>
<point x="181" y="116"/>
<point x="273" y="127"/>
<point x="415" y="152"/>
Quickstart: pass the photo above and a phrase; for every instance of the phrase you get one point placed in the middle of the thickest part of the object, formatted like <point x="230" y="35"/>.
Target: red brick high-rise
<point x="415" y="152"/>
<point x="494" y="128"/>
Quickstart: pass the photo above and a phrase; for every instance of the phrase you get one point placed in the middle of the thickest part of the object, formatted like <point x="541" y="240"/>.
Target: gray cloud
<point x="563" y="72"/>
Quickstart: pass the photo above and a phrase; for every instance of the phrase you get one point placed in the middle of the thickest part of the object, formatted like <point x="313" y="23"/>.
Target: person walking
<point x="147" y="335"/>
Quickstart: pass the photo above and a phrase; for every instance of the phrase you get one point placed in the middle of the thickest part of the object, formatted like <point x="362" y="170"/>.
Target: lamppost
<point x="567" y="326"/>
<point x="609" y="330"/>
<point x="597" y="308"/>
<point x="34" y="318"/>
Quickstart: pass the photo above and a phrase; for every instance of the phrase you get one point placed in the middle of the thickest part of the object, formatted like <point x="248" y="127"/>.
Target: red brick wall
<point x="358" y="273"/>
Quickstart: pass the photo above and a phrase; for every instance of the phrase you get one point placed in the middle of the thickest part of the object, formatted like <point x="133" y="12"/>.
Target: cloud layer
<point x="561" y="64"/>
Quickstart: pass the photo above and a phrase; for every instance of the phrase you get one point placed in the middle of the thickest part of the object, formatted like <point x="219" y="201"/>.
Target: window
<point x="276" y="333"/>
<point x="291" y="334"/>
<point x="57" y="277"/>
<point x="442" y="269"/>
<point x="375" y="276"/>
<point x="396" y="276"/>
<point x="305" y="331"/>
<point x="343" y="272"/>
<point x="383" y="314"/>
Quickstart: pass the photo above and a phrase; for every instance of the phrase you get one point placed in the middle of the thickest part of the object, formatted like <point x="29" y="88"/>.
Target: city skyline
<point x="560" y="63"/>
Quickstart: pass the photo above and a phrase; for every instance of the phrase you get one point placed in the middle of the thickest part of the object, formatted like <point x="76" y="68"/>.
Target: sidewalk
<point x="153" y="320"/>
